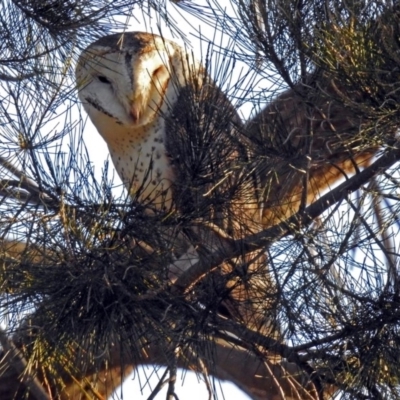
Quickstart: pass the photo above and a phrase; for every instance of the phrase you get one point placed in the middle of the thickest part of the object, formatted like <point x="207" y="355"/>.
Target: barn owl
<point x="174" y="137"/>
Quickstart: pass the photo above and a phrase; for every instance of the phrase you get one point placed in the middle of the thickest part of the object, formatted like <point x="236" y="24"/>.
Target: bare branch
<point x="265" y="238"/>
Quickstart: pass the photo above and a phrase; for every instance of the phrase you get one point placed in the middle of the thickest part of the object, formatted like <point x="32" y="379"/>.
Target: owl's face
<point x="128" y="78"/>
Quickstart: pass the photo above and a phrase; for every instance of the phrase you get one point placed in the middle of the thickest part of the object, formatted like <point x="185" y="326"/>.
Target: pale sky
<point x="189" y="386"/>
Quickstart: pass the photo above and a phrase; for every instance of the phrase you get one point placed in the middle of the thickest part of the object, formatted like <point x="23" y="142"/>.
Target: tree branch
<point x="235" y="248"/>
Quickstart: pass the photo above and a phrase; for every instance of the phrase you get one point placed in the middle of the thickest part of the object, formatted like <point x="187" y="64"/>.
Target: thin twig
<point x="171" y="395"/>
<point x="161" y="383"/>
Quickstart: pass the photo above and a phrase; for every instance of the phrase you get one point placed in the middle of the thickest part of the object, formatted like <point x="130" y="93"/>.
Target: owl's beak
<point x="135" y="112"/>
<point x="137" y="107"/>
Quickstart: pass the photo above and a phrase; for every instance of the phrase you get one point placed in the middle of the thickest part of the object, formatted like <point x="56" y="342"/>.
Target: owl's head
<point x="131" y="77"/>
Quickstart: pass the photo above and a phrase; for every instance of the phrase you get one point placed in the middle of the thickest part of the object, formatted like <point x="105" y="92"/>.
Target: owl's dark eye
<point x="103" y="79"/>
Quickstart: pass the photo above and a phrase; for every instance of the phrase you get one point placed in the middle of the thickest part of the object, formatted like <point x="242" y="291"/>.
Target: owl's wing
<point x="307" y="139"/>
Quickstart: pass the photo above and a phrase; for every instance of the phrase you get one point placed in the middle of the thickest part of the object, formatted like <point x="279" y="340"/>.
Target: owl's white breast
<point x="140" y="158"/>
